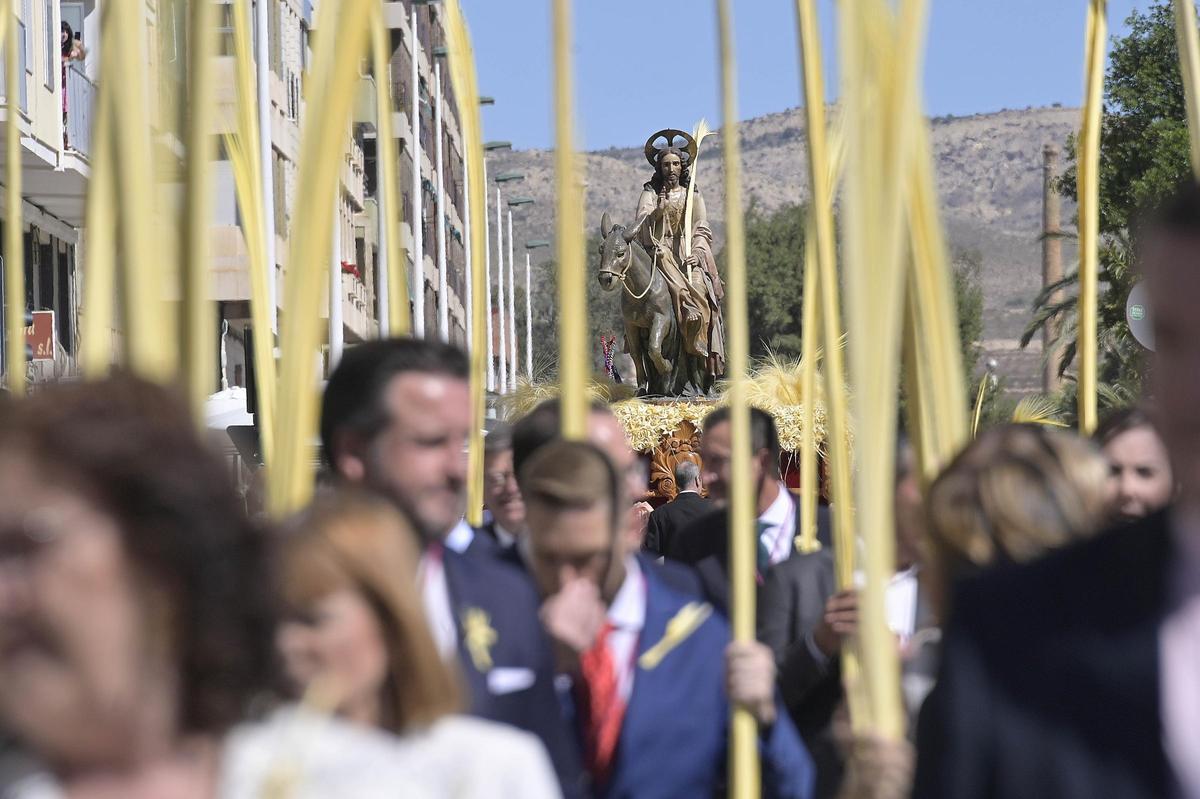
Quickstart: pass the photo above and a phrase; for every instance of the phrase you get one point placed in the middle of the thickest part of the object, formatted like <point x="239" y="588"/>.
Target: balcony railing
<point x="81" y="96"/>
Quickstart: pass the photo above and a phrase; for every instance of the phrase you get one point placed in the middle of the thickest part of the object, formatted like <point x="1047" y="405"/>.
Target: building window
<point x="304" y="54"/>
<point x="277" y="175"/>
<point x="275" y="43"/>
<point x="27" y="18"/>
<point x="225" y="30"/>
<point x="53" y="49"/>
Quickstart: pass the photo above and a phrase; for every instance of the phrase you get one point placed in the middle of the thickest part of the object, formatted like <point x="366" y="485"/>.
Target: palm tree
<point x="1121" y="359"/>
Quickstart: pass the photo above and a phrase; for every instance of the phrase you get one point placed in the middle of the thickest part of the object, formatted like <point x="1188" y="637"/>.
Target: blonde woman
<point x="1014" y="494"/>
<point x="355" y="628"/>
<point x="1017" y="492"/>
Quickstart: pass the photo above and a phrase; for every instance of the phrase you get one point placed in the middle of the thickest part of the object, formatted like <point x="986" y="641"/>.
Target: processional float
<point x="893" y="281"/>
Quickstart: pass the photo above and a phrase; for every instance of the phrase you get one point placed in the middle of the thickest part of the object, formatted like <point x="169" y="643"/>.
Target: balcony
<point x="81" y="98"/>
<point x="54" y="178"/>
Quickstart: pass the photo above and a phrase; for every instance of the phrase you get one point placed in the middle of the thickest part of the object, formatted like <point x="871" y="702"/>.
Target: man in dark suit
<point x="688" y="505"/>
<point x="542" y="425"/>
<point x="704" y="543"/>
<point x="501" y="494"/>
<point x="805" y="620"/>
<point x="1076" y="676"/>
<point x="647" y="673"/>
<point x="394" y="418"/>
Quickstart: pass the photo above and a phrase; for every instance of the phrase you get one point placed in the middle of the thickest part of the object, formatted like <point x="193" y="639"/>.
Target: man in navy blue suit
<point x="395" y="418"/>
<point x="648" y="673"/>
<point x="541" y="426"/>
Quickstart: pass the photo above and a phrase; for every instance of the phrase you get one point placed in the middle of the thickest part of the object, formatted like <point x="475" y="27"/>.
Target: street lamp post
<point x="417" y="284"/>
<point x="443" y="304"/>
<point x="532" y="245"/>
<point x="513" y="360"/>
<point x="265" y="154"/>
<point x="500" y="292"/>
<point x="512" y="310"/>
<point x="505" y="351"/>
<point x="487" y="259"/>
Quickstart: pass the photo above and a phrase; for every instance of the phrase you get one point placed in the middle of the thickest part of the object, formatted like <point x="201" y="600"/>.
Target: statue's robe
<point x="700" y="296"/>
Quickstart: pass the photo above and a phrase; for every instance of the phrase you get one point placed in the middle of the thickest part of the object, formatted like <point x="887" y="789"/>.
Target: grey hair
<point x="687" y="474"/>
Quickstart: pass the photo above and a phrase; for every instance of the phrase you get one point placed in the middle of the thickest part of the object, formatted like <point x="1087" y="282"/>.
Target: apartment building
<point x="355" y="259"/>
<point x="427" y="50"/>
<point x="354" y="253"/>
<point x="55" y="152"/>
<point x="55" y="169"/>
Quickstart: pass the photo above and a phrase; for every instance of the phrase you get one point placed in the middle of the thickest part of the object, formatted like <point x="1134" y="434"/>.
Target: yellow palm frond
<point x="1037" y="409"/>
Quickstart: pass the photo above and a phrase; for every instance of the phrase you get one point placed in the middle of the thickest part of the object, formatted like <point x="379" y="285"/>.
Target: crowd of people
<point x="155" y="641"/>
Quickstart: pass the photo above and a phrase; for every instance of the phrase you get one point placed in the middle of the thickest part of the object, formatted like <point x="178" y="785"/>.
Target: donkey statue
<point x="652" y="334"/>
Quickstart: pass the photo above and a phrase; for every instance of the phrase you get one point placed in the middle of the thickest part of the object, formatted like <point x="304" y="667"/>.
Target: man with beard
<point x="395" y="419"/>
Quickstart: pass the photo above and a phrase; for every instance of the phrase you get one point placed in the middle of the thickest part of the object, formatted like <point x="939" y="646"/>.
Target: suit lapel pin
<point x="681" y="625"/>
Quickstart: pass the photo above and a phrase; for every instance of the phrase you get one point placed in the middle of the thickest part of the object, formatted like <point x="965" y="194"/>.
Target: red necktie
<point x="601" y="707"/>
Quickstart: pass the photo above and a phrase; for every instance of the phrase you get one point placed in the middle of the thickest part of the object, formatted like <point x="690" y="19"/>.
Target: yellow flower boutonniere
<point x="479" y="636"/>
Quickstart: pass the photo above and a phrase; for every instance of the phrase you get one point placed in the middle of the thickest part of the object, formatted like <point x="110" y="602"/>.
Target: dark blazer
<point x="518" y="688"/>
<point x="482" y="545"/>
<point x="486" y="535"/>
<point x="674" y="736"/>
<point x="666" y="521"/>
<point x="704" y="544"/>
<point x="791" y="603"/>
<point x="1049" y="682"/>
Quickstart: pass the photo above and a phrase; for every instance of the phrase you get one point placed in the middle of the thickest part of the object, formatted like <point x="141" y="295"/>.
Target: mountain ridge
<point x="989" y="176"/>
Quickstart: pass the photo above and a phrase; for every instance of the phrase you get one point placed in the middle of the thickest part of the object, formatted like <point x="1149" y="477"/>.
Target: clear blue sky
<point x="641" y="65"/>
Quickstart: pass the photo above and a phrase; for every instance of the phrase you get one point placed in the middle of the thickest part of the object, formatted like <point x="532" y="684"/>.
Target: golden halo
<point x="669" y="137"/>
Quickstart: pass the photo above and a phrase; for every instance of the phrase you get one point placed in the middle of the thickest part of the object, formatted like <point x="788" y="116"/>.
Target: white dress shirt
<point x="503" y="537"/>
<point x="900" y="608"/>
<point x="780" y="521"/>
<point x="627" y="615"/>
<point x="460" y="537"/>
<point x="900" y="603"/>
<point x="1179" y="657"/>
<point x="435" y="596"/>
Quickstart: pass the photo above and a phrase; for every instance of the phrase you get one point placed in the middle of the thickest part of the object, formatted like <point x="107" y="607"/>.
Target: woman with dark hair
<point x="137" y="612"/>
<point x="72" y="50"/>
<point x="1140" y="480"/>
<point x="357" y="632"/>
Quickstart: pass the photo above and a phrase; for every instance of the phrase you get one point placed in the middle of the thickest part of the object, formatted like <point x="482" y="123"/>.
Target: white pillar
<point x="385" y="232"/>
<point x="500" y="291"/>
<point x="512" y="311"/>
<point x="528" y="325"/>
<point x="470" y="269"/>
<point x="265" y="151"/>
<point x="335" y="290"/>
<point x="417" y="284"/>
<point x="443" y="305"/>
<point x="487" y="286"/>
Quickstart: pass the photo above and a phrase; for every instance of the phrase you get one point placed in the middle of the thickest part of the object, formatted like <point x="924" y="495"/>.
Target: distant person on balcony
<point x="72" y="50"/>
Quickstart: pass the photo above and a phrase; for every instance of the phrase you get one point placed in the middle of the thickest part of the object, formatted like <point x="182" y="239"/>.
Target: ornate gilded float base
<point x="668" y="431"/>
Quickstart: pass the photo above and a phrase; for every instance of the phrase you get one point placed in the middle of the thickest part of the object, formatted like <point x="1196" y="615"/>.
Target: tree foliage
<point x="1143" y="158"/>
